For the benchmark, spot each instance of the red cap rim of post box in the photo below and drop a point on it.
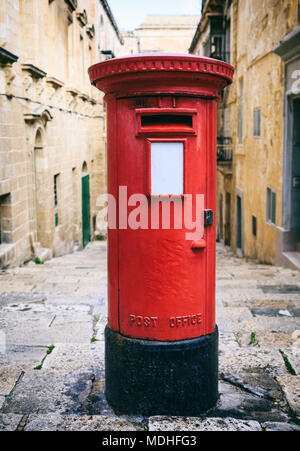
(207, 76)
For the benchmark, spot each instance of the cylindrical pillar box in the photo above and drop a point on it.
(161, 338)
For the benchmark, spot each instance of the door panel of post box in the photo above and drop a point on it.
(163, 292)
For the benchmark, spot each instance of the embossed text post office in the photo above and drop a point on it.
(161, 340)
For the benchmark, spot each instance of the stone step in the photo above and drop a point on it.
(293, 258)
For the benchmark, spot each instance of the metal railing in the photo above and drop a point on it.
(224, 148)
(223, 56)
(107, 54)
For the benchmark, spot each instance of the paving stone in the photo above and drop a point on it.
(229, 319)
(296, 339)
(103, 423)
(245, 359)
(71, 318)
(227, 340)
(9, 375)
(257, 383)
(47, 391)
(238, 403)
(59, 309)
(80, 332)
(100, 327)
(293, 355)
(280, 427)
(266, 339)
(96, 402)
(199, 424)
(2, 400)
(15, 297)
(70, 300)
(100, 310)
(282, 324)
(242, 297)
(35, 319)
(76, 357)
(16, 308)
(56, 422)
(291, 387)
(282, 289)
(263, 304)
(31, 335)
(45, 423)
(271, 312)
(9, 422)
(25, 357)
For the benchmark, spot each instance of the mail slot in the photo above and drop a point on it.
(177, 121)
(161, 341)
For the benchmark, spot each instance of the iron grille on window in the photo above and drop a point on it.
(271, 206)
(257, 123)
(224, 148)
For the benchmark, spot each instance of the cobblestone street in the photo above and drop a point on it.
(52, 367)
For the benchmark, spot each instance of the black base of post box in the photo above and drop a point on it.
(161, 378)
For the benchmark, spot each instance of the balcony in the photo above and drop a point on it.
(224, 149)
(107, 54)
(6, 57)
(72, 4)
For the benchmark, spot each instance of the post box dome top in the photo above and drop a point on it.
(161, 73)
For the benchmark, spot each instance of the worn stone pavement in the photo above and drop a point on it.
(52, 319)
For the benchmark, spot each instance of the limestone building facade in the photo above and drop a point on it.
(161, 34)
(52, 140)
(258, 178)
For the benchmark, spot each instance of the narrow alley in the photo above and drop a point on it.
(52, 348)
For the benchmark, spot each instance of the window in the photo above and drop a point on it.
(239, 219)
(217, 38)
(56, 187)
(5, 219)
(227, 41)
(216, 47)
(55, 190)
(240, 119)
(271, 206)
(254, 226)
(167, 168)
(256, 123)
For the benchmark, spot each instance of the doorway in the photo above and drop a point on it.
(295, 185)
(239, 212)
(227, 240)
(86, 216)
(221, 225)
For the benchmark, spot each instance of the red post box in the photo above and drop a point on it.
(161, 337)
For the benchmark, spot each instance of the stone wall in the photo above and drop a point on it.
(256, 26)
(52, 124)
